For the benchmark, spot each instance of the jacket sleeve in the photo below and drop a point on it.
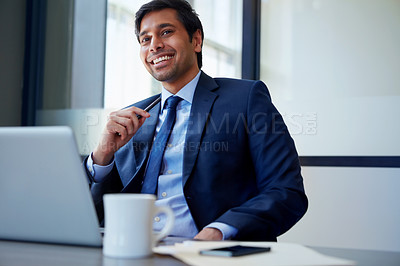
(111, 184)
(280, 201)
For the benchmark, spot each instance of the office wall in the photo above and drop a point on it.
(332, 68)
(12, 38)
(350, 208)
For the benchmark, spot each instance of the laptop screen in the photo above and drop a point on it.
(44, 193)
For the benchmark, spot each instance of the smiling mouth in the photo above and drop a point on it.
(162, 59)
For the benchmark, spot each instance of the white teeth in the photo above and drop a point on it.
(162, 58)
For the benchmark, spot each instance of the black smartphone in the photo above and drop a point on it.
(234, 251)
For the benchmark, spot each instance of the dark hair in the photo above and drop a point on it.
(186, 15)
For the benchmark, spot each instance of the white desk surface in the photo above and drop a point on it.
(22, 253)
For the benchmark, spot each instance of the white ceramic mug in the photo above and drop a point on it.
(128, 225)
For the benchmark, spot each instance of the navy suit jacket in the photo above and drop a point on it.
(240, 165)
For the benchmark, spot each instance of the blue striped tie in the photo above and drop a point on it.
(158, 148)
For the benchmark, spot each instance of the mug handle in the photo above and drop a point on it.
(168, 225)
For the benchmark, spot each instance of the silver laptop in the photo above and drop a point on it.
(44, 193)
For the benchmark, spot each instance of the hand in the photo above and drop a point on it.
(121, 127)
(209, 234)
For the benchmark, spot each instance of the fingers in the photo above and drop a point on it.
(120, 128)
(210, 234)
(125, 122)
(122, 125)
(139, 112)
(133, 112)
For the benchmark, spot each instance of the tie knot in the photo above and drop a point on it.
(172, 102)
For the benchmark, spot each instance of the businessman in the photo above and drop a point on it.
(215, 150)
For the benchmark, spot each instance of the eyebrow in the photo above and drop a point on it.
(161, 26)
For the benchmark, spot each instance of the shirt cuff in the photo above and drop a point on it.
(98, 172)
(228, 231)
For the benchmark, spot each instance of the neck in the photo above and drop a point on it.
(173, 86)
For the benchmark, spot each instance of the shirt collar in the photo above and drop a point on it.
(186, 93)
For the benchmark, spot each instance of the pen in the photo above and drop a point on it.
(150, 106)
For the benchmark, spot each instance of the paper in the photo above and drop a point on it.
(281, 254)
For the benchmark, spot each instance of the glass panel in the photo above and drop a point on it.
(332, 69)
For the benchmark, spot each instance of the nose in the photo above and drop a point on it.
(156, 44)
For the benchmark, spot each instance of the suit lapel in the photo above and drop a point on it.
(139, 149)
(145, 135)
(203, 101)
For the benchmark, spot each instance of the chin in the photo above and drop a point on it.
(167, 76)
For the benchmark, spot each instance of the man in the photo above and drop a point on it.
(229, 169)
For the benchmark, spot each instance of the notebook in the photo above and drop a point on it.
(44, 192)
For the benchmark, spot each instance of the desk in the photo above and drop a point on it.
(20, 253)
(363, 257)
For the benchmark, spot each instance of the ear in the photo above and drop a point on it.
(197, 41)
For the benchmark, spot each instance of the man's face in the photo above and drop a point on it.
(166, 50)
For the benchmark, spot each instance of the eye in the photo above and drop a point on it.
(144, 40)
(166, 32)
